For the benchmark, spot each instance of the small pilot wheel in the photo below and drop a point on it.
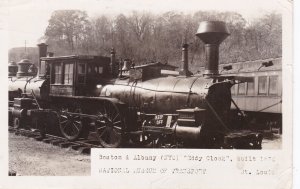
(142, 139)
(17, 123)
(71, 126)
(109, 125)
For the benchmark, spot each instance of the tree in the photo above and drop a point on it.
(122, 36)
(68, 28)
(145, 37)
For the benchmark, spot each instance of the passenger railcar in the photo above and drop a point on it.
(261, 97)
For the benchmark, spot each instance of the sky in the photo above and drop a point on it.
(26, 20)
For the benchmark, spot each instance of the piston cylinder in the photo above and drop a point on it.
(187, 133)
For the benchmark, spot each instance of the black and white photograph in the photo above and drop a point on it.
(147, 94)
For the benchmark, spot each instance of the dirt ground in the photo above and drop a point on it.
(30, 157)
(272, 142)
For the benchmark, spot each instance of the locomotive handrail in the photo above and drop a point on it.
(190, 91)
(239, 110)
(154, 90)
(132, 92)
(84, 115)
(35, 100)
(27, 81)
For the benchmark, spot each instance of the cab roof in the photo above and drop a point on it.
(75, 57)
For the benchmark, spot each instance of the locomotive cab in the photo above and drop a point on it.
(77, 75)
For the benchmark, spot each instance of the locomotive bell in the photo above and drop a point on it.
(212, 33)
(127, 65)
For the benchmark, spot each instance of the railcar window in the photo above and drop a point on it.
(233, 90)
(242, 88)
(262, 85)
(250, 88)
(68, 74)
(273, 86)
(57, 73)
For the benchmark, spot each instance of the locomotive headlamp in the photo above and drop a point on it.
(266, 64)
(229, 67)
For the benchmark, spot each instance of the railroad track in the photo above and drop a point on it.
(82, 145)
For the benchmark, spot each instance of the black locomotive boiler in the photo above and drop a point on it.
(141, 104)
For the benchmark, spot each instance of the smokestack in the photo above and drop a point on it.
(113, 62)
(185, 71)
(42, 53)
(42, 50)
(212, 33)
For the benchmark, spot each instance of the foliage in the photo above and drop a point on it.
(68, 30)
(145, 37)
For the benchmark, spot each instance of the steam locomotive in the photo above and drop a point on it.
(140, 104)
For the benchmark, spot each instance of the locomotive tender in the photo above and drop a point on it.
(91, 94)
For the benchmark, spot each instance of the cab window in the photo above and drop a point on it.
(57, 74)
(81, 72)
(99, 69)
(95, 69)
(68, 75)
